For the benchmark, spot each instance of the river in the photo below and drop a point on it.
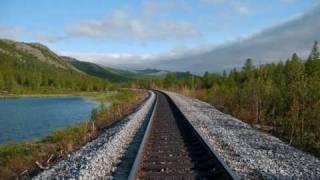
(31, 118)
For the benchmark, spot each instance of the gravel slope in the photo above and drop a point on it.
(250, 153)
(99, 158)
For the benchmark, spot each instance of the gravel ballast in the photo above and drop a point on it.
(248, 152)
(99, 158)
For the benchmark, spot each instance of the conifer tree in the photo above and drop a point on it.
(313, 62)
(248, 66)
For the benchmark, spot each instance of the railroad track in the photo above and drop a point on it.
(172, 149)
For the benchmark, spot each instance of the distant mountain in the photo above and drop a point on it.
(118, 75)
(151, 72)
(112, 74)
(32, 67)
(92, 69)
(160, 73)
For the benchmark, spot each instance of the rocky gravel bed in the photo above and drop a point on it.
(99, 158)
(248, 152)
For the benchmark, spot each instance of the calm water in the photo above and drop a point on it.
(30, 118)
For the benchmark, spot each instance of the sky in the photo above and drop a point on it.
(146, 33)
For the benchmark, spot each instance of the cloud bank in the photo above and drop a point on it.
(273, 44)
(120, 25)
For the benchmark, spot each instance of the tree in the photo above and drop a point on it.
(313, 62)
(295, 72)
(1, 82)
(294, 69)
(10, 83)
(247, 70)
(315, 54)
(248, 65)
(207, 83)
(169, 80)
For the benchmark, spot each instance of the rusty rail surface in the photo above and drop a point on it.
(172, 149)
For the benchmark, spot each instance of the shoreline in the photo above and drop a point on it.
(93, 96)
(35, 156)
(3, 96)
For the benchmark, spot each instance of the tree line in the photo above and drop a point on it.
(283, 96)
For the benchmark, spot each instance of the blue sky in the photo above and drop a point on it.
(143, 28)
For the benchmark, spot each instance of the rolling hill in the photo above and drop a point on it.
(118, 75)
(32, 67)
(92, 69)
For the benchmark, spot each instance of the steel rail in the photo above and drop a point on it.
(210, 151)
(205, 141)
(134, 170)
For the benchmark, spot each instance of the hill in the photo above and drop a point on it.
(32, 67)
(112, 74)
(151, 72)
(118, 75)
(160, 74)
(92, 69)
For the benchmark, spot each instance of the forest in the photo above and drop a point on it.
(24, 73)
(281, 98)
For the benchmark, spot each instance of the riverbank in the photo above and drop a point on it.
(100, 158)
(28, 158)
(93, 95)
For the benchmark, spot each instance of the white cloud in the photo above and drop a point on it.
(9, 32)
(289, 1)
(237, 6)
(137, 61)
(48, 38)
(122, 60)
(15, 33)
(244, 10)
(213, 1)
(120, 25)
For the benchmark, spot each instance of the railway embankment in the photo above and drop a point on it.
(250, 153)
(99, 158)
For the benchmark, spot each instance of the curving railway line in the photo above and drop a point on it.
(172, 149)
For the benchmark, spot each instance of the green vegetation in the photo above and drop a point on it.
(281, 97)
(98, 71)
(22, 159)
(22, 72)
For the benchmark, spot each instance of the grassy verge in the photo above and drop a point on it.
(25, 159)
